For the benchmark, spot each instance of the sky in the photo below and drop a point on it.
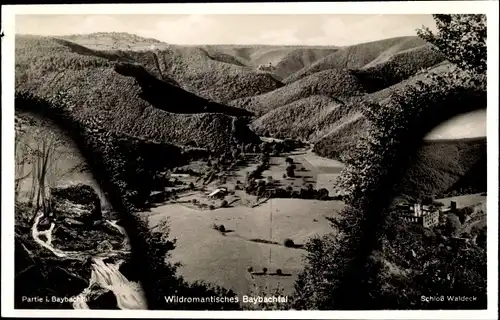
(272, 29)
(468, 125)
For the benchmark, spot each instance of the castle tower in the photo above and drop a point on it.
(417, 210)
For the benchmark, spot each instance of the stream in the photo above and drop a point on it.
(104, 276)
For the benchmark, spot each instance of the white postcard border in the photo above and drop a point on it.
(416, 7)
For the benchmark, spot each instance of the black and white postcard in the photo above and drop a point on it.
(229, 160)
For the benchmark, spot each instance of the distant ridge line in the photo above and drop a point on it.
(331, 46)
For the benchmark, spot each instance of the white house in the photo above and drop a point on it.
(219, 192)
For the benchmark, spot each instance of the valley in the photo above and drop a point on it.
(255, 228)
(237, 149)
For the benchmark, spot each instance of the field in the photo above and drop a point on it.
(206, 254)
(465, 200)
(329, 170)
(255, 234)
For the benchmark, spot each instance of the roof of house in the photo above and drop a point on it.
(216, 191)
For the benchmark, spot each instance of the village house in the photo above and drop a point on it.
(218, 193)
(158, 196)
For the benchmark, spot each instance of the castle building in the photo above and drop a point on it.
(429, 217)
(420, 214)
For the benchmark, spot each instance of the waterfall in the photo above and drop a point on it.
(104, 276)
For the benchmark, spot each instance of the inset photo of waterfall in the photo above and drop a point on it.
(71, 251)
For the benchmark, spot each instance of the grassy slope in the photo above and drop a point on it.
(114, 41)
(213, 74)
(335, 128)
(298, 59)
(331, 83)
(300, 119)
(357, 56)
(384, 72)
(443, 165)
(255, 55)
(45, 66)
(252, 55)
(242, 55)
(339, 137)
(390, 71)
(216, 80)
(280, 61)
(208, 255)
(342, 138)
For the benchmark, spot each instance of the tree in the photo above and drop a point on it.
(288, 243)
(481, 238)
(22, 157)
(235, 153)
(261, 190)
(452, 225)
(323, 194)
(39, 144)
(455, 272)
(43, 153)
(265, 147)
(224, 204)
(277, 149)
(290, 170)
(427, 200)
(461, 38)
